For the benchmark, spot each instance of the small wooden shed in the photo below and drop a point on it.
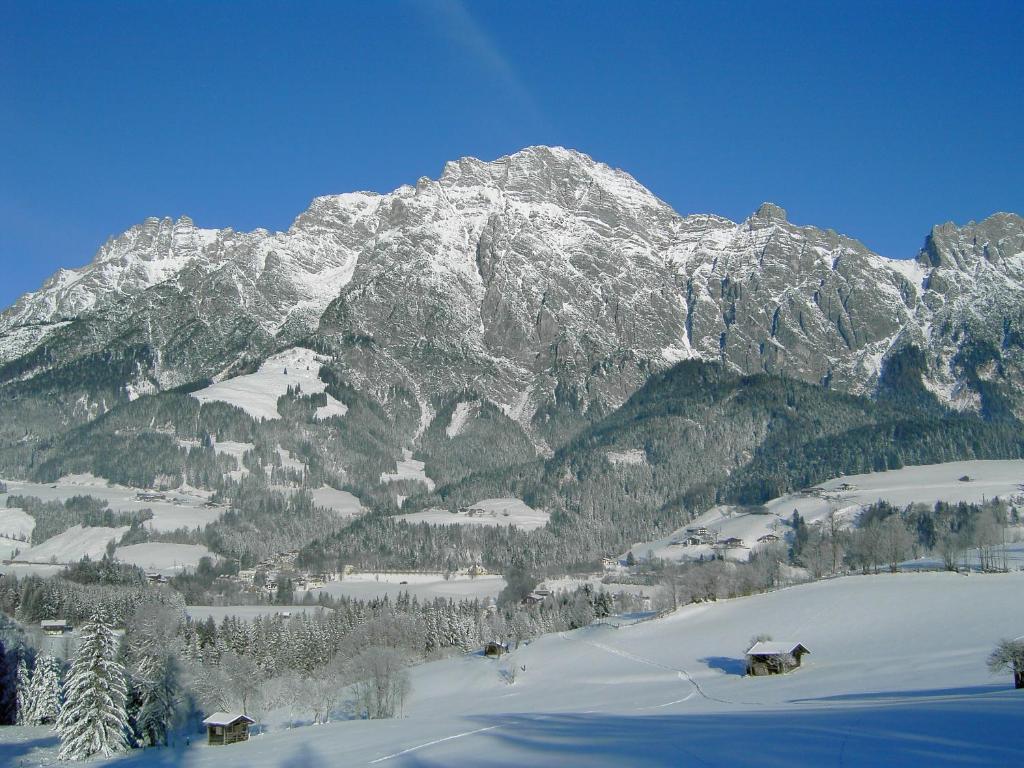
(774, 658)
(54, 626)
(494, 649)
(227, 727)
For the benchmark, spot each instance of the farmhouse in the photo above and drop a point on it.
(227, 727)
(54, 626)
(702, 534)
(731, 543)
(774, 658)
(768, 538)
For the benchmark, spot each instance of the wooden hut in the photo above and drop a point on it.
(54, 626)
(494, 649)
(227, 727)
(774, 658)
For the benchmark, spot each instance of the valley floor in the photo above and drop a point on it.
(896, 676)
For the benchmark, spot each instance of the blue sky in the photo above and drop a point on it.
(875, 119)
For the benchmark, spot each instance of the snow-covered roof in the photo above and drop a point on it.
(53, 623)
(227, 718)
(770, 648)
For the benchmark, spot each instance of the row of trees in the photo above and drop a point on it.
(885, 536)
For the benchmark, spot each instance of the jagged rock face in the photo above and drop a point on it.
(972, 311)
(539, 271)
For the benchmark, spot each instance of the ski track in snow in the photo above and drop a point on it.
(432, 743)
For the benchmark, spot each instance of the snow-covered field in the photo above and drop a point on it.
(165, 558)
(847, 495)
(896, 676)
(425, 586)
(634, 457)
(408, 469)
(9, 546)
(15, 523)
(933, 482)
(257, 393)
(74, 544)
(182, 508)
(487, 512)
(342, 502)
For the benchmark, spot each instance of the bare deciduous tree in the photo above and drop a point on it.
(1008, 656)
(381, 682)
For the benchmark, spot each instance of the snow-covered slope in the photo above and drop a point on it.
(845, 496)
(74, 544)
(257, 393)
(894, 678)
(485, 512)
(164, 557)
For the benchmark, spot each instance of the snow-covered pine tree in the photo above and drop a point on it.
(8, 684)
(158, 688)
(24, 695)
(44, 692)
(94, 719)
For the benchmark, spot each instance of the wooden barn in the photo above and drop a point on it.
(495, 650)
(774, 658)
(227, 727)
(54, 626)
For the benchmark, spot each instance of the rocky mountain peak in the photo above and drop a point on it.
(540, 275)
(769, 212)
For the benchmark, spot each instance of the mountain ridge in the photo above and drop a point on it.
(550, 283)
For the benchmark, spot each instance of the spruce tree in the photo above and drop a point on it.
(24, 696)
(158, 690)
(94, 719)
(44, 692)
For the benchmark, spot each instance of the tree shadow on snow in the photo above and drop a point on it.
(924, 693)
(960, 732)
(12, 750)
(726, 664)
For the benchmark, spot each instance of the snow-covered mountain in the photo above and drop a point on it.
(537, 280)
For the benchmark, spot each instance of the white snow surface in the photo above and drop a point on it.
(486, 512)
(16, 523)
(162, 557)
(9, 546)
(342, 502)
(408, 469)
(460, 416)
(425, 586)
(894, 677)
(74, 544)
(846, 495)
(257, 393)
(182, 508)
(634, 456)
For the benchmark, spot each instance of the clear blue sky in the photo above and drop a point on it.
(875, 119)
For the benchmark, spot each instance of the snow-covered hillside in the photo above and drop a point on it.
(257, 393)
(163, 557)
(896, 676)
(485, 512)
(845, 496)
(183, 508)
(74, 544)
